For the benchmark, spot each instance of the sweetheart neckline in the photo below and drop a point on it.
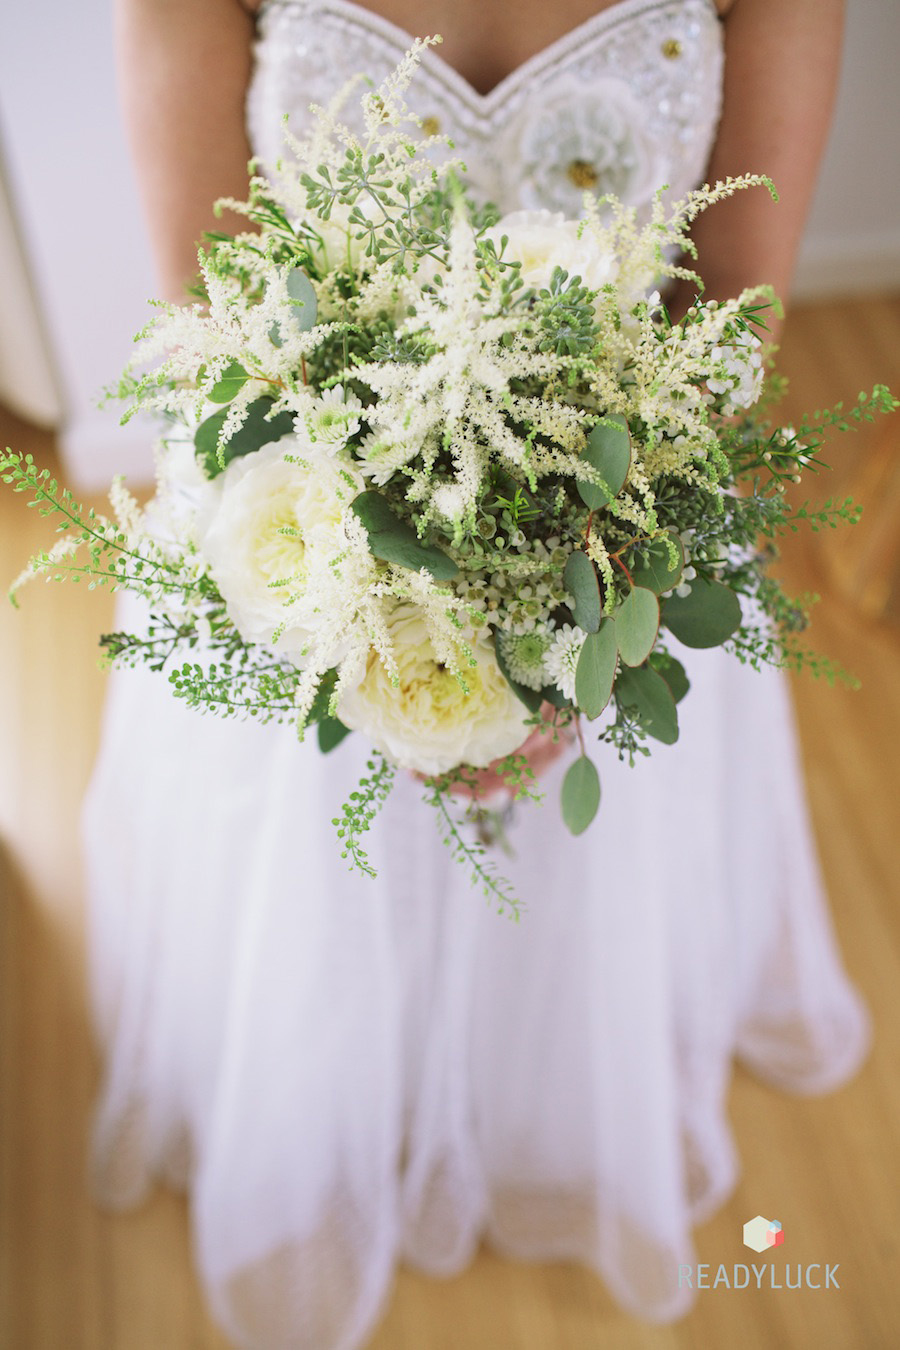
(622, 11)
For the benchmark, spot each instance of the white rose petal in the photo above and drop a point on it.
(273, 526)
(427, 722)
(543, 240)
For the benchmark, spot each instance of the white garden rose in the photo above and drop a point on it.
(426, 722)
(543, 240)
(272, 536)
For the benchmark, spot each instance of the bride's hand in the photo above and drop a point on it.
(540, 750)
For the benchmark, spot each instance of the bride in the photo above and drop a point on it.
(346, 1072)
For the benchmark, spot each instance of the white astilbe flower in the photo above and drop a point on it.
(125, 507)
(391, 128)
(450, 501)
(201, 343)
(65, 547)
(738, 372)
(561, 660)
(459, 397)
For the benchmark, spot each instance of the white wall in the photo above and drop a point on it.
(75, 200)
(852, 242)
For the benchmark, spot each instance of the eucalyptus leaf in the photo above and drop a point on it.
(608, 450)
(636, 624)
(330, 733)
(674, 674)
(253, 434)
(654, 571)
(551, 694)
(305, 307)
(532, 698)
(580, 794)
(581, 581)
(706, 617)
(393, 541)
(229, 383)
(647, 692)
(596, 671)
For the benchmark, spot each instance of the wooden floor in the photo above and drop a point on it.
(829, 1169)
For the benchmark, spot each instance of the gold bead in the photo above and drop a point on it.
(583, 174)
(431, 126)
(671, 49)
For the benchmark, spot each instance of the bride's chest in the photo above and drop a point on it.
(624, 102)
(486, 42)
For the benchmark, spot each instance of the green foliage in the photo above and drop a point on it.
(582, 583)
(242, 687)
(305, 306)
(646, 692)
(566, 315)
(396, 227)
(580, 794)
(672, 671)
(111, 557)
(392, 540)
(705, 617)
(627, 735)
(331, 732)
(361, 808)
(258, 429)
(636, 622)
(826, 517)
(608, 451)
(229, 383)
(470, 852)
(518, 776)
(659, 566)
(520, 507)
(596, 670)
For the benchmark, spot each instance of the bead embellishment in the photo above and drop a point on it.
(671, 49)
(583, 174)
(431, 125)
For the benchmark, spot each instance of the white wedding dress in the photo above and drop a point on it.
(348, 1072)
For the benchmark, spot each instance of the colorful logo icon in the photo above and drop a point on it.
(760, 1234)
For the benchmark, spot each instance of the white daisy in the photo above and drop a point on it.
(334, 417)
(562, 659)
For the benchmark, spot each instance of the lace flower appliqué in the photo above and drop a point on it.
(590, 138)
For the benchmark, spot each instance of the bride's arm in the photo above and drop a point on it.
(782, 59)
(183, 68)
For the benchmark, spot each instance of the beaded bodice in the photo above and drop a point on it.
(625, 103)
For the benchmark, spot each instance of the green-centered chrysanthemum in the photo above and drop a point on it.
(524, 655)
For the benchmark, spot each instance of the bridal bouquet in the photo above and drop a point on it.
(446, 479)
